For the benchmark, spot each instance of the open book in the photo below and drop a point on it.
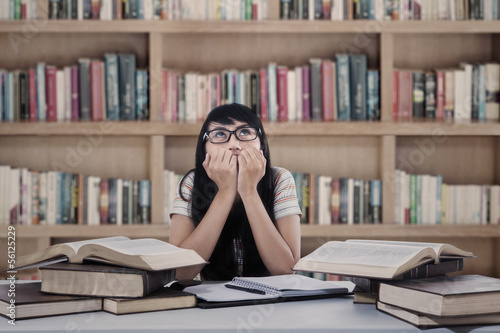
(375, 259)
(148, 254)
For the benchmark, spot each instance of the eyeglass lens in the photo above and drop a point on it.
(242, 134)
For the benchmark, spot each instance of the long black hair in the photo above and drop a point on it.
(222, 261)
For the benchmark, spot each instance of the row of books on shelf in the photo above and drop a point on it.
(52, 197)
(113, 89)
(425, 199)
(468, 92)
(325, 200)
(134, 9)
(322, 90)
(387, 10)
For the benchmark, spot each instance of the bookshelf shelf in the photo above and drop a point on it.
(331, 232)
(250, 27)
(365, 150)
(142, 128)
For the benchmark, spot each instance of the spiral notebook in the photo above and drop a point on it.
(256, 290)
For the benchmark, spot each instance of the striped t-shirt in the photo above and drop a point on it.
(285, 195)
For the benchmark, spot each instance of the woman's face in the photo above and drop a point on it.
(235, 145)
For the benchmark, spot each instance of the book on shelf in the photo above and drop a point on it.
(162, 299)
(148, 253)
(427, 321)
(445, 295)
(375, 258)
(253, 290)
(30, 302)
(428, 270)
(102, 280)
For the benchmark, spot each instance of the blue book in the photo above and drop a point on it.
(134, 9)
(373, 99)
(65, 197)
(142, 111)
(111, 87)
(2, 74)
(376, 200)
(230, 87)
(239, 88)
(358, 64)
(144, 201)
(482, 93)
(140, 9)
(272, 93)
(343, 87)
(126, 75)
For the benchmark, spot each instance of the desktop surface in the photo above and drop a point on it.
(322, 315)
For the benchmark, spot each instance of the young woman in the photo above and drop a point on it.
(233, 208)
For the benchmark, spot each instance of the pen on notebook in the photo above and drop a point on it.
(250, 290)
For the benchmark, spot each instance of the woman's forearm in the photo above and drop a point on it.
(278, 254)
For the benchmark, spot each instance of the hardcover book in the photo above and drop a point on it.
(459, 295)
(31, 303)
(162, 299)
(102, 280)
(375, 259)
(426, 321)
(148, 253)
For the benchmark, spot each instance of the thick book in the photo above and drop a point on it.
(427, 321)
(146, 253)
(268, 288)
(374, 258)
(459, 295)
(31, 303)
(102, 280)
(421, 272)
(163, 299)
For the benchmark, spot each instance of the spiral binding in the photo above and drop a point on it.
(255, 285)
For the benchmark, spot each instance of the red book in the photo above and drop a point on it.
(327, 9)
(24, 11)
(95, 9)
(440, 89)
(327, 89)
(32, 94)
(104, 206)
(174, 83)
(255, 11)
(395, 95)
(164, 94)
(335, 204)
(263, 95)
(282, 78)
(96, 92)
(51, 92)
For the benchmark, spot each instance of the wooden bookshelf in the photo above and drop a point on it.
(464, 153)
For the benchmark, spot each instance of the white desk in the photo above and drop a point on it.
(326, 315)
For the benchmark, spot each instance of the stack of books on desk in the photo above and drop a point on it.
(407, 280)
(443, 301)
(114, 274)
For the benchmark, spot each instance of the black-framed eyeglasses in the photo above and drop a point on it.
(223, 135)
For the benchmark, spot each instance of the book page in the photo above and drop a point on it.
(289, 282)
(77, 245)
(137, 247)
(366, 254)
(439, 248)
(218, 292)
